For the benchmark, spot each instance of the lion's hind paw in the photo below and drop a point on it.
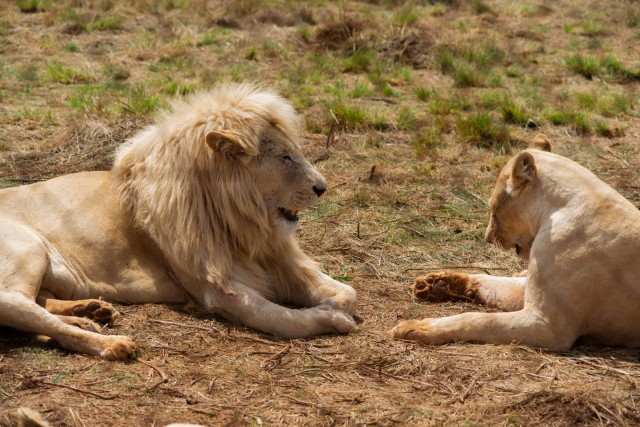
(96, 310)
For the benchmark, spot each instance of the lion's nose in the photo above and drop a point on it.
(319, 189)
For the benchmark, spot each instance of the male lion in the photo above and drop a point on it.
(582, 241)
(201, 206)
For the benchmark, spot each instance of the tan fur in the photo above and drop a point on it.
(194, 208)
(582, 242)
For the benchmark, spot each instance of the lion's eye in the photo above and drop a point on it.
(286, 158)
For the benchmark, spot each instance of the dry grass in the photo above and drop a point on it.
(407, 196)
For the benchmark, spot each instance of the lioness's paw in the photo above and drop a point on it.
(119, 347)
(443, 286)
(96, 310)
(417, 330)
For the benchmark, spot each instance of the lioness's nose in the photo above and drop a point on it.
(319, 189)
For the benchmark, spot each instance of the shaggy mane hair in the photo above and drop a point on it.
(200, 207)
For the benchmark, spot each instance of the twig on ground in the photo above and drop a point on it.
(76, 417)
(186, 325)
(396, 377)
(163, 377)
(451, 267)
(90, 393)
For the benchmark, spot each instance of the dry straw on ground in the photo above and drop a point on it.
(407, 195)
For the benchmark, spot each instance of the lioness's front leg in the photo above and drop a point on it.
(505, 293)
(524, 327)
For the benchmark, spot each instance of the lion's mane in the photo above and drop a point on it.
(202, 209)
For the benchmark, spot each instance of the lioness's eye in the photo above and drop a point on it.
(286, 158)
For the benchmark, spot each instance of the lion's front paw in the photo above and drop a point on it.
(346, 304)
(96, 310)
(417, 330)
(443, 286)
(82, 323)
(336, 321)
(119, 347)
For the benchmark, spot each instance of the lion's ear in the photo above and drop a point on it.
(524, 169)
(225, 143)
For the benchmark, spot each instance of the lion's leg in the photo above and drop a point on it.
(96, 310)
(327, 291)
(80, 322)
(24, 263)
(24, 314)
(249, 308)
(505, 293)
(524, 327)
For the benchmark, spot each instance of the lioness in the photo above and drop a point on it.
(582, 242)
(202, 206)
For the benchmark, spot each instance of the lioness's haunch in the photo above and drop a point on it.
(582, 242)
(202, 206)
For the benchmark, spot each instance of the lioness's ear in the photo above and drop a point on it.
(226, 143)
(524, 169)
(541, 142)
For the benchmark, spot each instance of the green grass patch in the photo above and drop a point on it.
(32, 6)
(28, 72)
(592, 29)
(557, 117)
(424, 94)
(485, 55)
(206, 40)
(4, 183)
(350, 116)
(139, 101)
(360, 89)
(586, 66)
(429, 141)
(479, 7)
(358, 62)
(66, 75)
(606, 67)
(408, 15)
(71, 47)
(515, 112)
(466, 75)
(470, 66)
(252, 54)
(482, 130)
(406, 118)
(605, 104)
(608, 130)
(379, 122)
(107, 23)
(444, 60)
(442, 106)
(581, 124)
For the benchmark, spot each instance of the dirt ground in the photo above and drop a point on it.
(393, 95)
